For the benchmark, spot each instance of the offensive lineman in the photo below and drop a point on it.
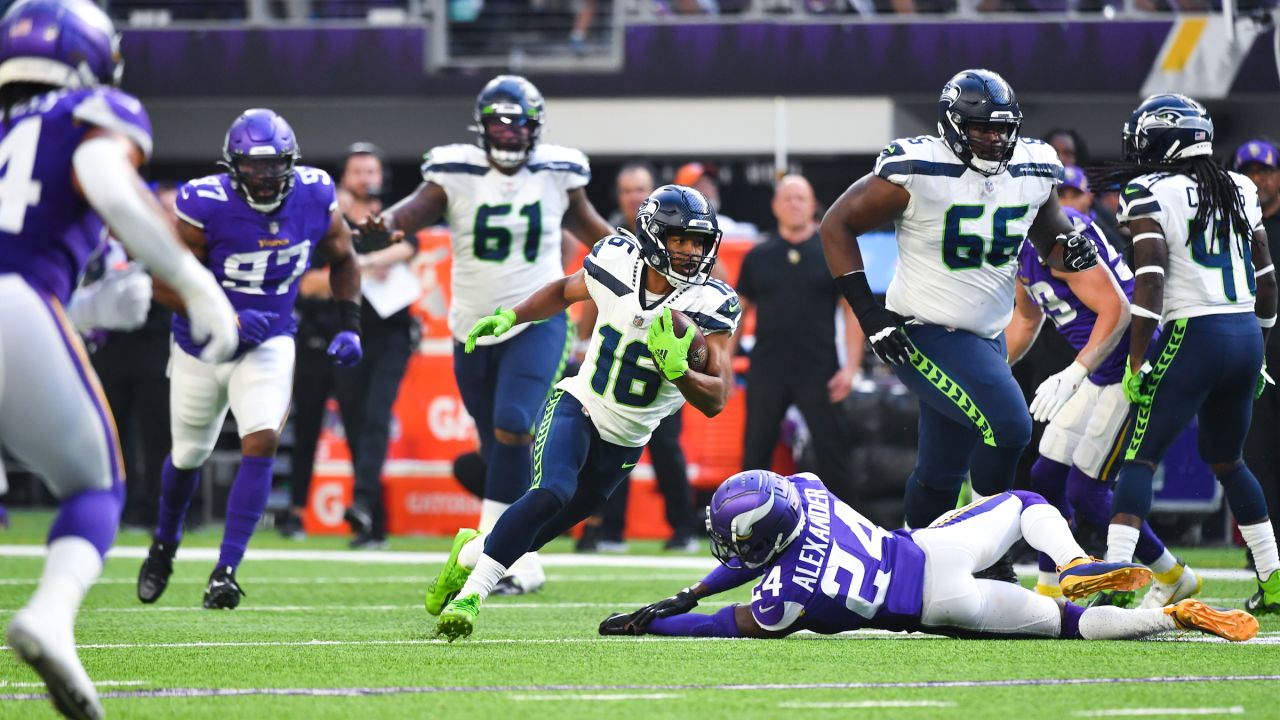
(636, 373)
(505, 200)
(962, 203)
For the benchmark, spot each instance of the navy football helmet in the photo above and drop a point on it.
(678, 210)
(979, 96)
(259, 153)
(753, 516)
(508, 119)
(63, 43)
(1167, 128)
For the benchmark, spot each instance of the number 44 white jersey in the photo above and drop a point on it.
(1204, 276)
(619, 385)
(505, 228)
(959, 237)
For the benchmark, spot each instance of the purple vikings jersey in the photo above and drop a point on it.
(1073, 320)
(842, 573)
(47, 231)
(256, 257)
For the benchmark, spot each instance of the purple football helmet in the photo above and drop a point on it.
(64, 43)
(259, 153)
(753, 516)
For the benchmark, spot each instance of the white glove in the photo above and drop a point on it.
(119, 301)
(1054, 393)
(213, 320)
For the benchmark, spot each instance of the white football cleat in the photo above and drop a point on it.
(1162, 595)
(51, 652)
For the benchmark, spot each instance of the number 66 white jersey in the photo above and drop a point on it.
(1204, 277)
(257, 257)
(619, 385)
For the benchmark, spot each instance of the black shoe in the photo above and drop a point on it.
(1002, 570)
(368, 542)
(153, 577)
(589, 541)
(359, 519)
(510, 586)
(222, 592)
(683, 543)
(290, 526)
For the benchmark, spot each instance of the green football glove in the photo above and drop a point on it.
(1264, 379)
(496, 324)
(1136, 389)
(670, 351)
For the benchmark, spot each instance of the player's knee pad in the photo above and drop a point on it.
(513, 420)
(187, 455)
(939, 480)
(1013, 430)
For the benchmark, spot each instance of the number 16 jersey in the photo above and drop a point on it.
(619, 385)
(505, 228)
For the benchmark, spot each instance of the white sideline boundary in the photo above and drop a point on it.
(551, 560)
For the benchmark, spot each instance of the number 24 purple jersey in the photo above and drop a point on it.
(843, 572)
(48, 232)
(257, 258)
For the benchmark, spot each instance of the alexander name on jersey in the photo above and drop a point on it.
(959, 236)
(505, 228)
(619, 384)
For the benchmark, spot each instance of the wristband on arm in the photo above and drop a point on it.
(349, 316)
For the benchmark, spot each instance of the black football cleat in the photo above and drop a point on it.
(222, 592)
(359, 519)
(1001, 570)
(153, 577)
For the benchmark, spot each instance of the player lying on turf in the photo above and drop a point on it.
(828, 569)
(639, 370)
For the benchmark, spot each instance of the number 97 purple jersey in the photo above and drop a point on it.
(257, 257)
(843, 572)
(1072, 318)
(48, 232)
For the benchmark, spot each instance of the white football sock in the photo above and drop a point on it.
(490, 511)
(70, 568)
(470, 553)
(1113, 623)
(1044, 529)
(1164, 564)
(484, 576)
(1261, 540)
(1121, 541)
(528, 570)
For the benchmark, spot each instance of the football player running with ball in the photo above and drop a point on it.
(636, 373)
(256, 226)
(825, 568)
(1204, 274)
(962, 202)
(505, 199)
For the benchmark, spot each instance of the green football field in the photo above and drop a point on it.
(327, 633)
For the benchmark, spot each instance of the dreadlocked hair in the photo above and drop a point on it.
(1218, 197)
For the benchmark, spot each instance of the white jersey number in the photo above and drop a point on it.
(18, 160)
(247, 272)
(840, 561)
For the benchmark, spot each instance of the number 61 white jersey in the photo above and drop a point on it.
(256, 257)
(619, 385)
(1204, 276)
(505, 228)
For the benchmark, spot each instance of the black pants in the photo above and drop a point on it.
(366, 394)
(313, 382)
(131, 368)
(672, 473)
(769, 392)
(1262, 445)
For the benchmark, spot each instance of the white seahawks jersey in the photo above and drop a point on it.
(505, 228)
(959, 237)
(1203, 277)
(619, 385)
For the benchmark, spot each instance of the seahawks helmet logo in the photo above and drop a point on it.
(950, 93)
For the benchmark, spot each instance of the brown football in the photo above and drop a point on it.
(697, 348)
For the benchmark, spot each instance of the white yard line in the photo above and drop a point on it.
(854, 704)
(597, 697)
(1160, 712)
